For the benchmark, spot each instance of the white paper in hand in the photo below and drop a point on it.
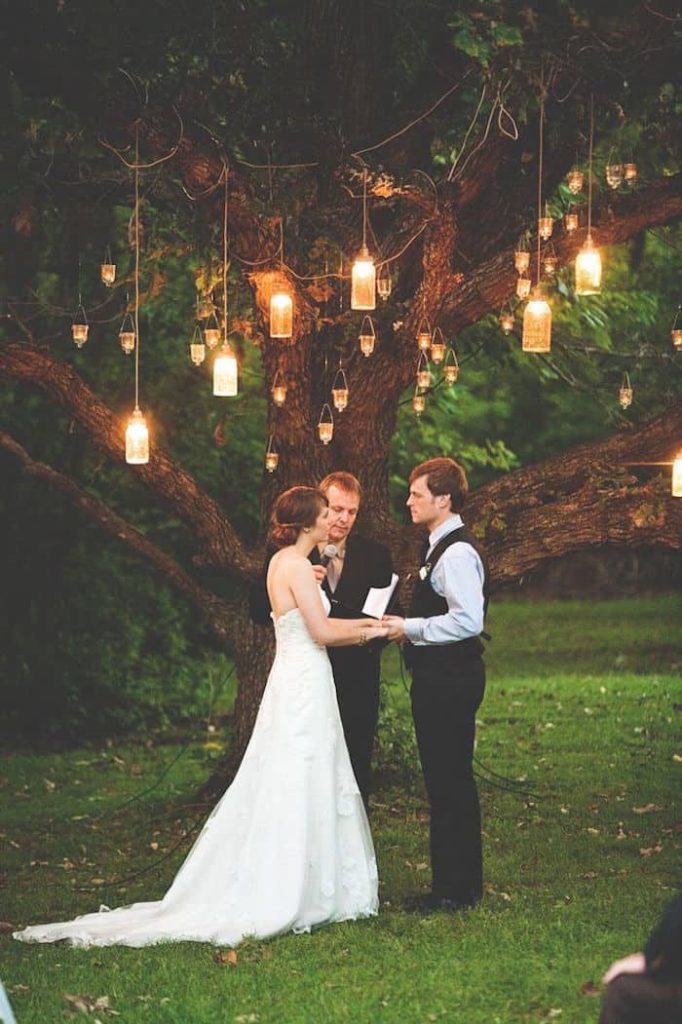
(378, 598)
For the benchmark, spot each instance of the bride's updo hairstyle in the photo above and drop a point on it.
(295, 509)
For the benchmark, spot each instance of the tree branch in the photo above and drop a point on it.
(489, 285)
(218, 541)
(217, 613)
(587, 496)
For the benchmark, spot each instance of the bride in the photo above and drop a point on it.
(288, 846)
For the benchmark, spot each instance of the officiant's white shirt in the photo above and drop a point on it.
(458, 577)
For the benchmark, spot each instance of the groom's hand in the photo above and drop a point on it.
(396, 627)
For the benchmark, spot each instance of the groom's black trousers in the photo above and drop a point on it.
(446, 693)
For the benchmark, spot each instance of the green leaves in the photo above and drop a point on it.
(481, 34)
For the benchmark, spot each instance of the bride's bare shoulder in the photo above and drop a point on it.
(288, 558)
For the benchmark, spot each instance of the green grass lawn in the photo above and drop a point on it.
(583, 703)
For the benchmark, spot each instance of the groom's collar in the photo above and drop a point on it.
(453, 522)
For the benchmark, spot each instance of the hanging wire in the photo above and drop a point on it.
(154, 163)
(540, 163)
(364, 208)
(589, 169)
(225, 235)
(468, 133)
(416, 120)
(137, 265)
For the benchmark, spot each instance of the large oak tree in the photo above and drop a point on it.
(440, 111)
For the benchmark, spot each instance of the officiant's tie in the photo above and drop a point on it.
(334, 570)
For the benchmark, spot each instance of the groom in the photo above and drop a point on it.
(359, 564)
(443, 651)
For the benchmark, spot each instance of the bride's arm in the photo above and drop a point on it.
(330, 632)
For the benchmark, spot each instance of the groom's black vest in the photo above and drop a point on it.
(426, 603)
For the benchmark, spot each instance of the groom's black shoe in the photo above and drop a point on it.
(431, 903)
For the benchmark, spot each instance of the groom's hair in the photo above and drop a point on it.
(444, 476)
(343, 480)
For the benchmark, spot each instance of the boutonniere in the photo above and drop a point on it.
(425, 571)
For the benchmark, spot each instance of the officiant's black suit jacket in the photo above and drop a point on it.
(356, 669)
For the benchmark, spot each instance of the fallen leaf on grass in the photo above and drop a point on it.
(6, 926)
(15, 989)
(649, 851)
(86, 1004)
(648, 809)
(227, 957)
(588, 988)
(247, 1018)
(49, 785)
(678, 758)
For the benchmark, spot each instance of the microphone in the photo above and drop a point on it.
(331, 551)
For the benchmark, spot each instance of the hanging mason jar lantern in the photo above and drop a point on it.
(521, 260)
(281, 315)
(614, 175)
(107, 269)
(676, 331)
(571, 221)
(367, 336)
(271, 456)
(363, 281)
(340, 390)
(325, 425)
(506, 319)
(424, 335)
(279, 389)
(126, 333)
(523, 287)
(588, 269)
(423, 372)
(205, 307)
(80, 327)
(384, 282)
(549, 264)
(626, 392)
(212, 331)
(575, 179)
(630, 172)
(418, 402)
(197, 349)
(677, 475)
(437, 346)
(137, 439)
(451, 367)
(545, 227)
(537, 324)
(225, 383)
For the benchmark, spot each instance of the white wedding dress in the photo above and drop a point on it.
(287, 847)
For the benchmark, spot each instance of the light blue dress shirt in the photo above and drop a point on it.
(458, 577)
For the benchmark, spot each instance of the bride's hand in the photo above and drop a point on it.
(372, 631)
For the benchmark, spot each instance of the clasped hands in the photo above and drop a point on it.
(390, 627)
(396, 627)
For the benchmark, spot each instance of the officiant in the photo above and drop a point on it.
(358, 565)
